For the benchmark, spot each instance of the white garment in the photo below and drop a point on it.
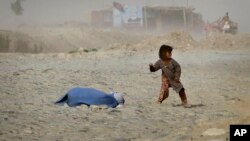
(226, 26)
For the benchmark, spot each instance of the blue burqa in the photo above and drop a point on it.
(88, 96)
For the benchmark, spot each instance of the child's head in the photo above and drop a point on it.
(165, 52)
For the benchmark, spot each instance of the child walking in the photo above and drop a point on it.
(171, 72)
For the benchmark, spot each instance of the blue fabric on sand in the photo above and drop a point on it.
(88, 96)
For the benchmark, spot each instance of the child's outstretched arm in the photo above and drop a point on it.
(154, 67)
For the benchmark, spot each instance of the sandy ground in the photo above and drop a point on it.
(217, 83)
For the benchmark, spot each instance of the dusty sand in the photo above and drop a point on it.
(217, 83)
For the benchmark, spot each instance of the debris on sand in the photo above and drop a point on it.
(214, 132)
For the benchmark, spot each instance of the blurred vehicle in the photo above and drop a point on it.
(222, 25)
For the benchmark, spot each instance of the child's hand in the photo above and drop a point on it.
(151, 67)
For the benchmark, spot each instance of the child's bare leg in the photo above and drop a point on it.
(162, 96)
(183, 97)
(164, 93)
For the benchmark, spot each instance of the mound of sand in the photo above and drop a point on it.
(11, 41)
(67, 39)
(179, 40)
(243, 40)
(61, 39)
(223, 41)
(184, 41)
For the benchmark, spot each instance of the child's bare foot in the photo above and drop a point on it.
(159, 102)
(186, 105)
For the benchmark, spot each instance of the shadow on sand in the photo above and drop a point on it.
(192, 105)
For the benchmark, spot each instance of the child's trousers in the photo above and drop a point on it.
(164, 92)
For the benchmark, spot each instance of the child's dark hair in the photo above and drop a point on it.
(163, 49)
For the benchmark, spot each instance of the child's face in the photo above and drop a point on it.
(168, 55)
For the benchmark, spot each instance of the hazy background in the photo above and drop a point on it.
(61, 11)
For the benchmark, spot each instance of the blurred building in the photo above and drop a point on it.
(102, 18)
(158, 19)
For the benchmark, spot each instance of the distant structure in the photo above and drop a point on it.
(155, 19)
